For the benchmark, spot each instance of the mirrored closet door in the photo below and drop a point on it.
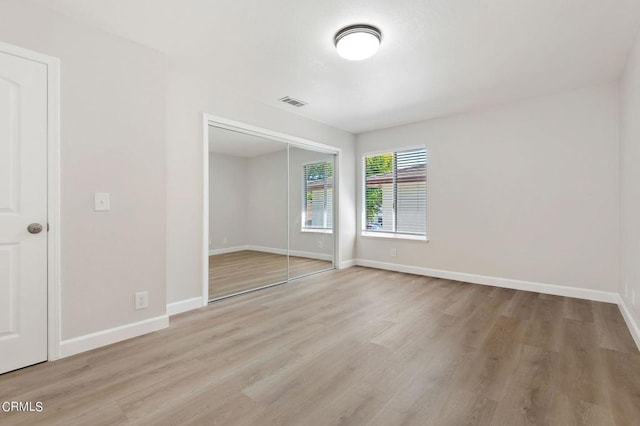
(247, 212)
(310, 211)
(271, 212)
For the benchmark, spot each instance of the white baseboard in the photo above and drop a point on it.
(311, 255)
(227, 250)
(113, 335)
(558, 290)
(346, 264)
(308, 254)
(267, 249)
(631, 322)
(247, 247)
(181, 306)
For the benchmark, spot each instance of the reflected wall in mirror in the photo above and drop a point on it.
(311, 211)
(247, 212)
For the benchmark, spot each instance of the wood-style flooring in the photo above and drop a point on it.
(354, 347)
(231, 273)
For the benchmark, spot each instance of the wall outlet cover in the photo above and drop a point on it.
(142, 300)
(101, 202)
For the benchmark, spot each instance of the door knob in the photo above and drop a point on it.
(34, 228)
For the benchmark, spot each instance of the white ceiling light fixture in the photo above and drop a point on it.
(357, 42)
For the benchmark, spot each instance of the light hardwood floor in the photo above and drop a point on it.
(231, 273)
(354, 347)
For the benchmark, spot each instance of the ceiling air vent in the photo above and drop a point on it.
(289, 100)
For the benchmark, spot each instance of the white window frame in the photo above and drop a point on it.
(303, 210)
(363, 209)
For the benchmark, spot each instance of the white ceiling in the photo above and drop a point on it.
(228, 142)
(437, 56)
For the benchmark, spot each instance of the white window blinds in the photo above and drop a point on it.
(395, 192)
(317, 198)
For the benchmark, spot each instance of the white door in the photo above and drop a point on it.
(23, 201)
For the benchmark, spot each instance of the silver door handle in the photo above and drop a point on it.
(34, 228)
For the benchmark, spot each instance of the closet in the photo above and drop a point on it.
(271, 212)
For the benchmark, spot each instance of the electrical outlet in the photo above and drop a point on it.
(101, 202)
(225, 240)
(142, 300)
(320, 244)
(394, 252)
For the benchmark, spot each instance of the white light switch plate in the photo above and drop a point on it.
(101, 202)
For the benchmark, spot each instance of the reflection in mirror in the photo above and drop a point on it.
(311, 212)
(247, 212)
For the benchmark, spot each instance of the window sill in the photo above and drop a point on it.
(317, 231)
(390, 235)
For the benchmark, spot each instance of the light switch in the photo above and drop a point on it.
(101, 202)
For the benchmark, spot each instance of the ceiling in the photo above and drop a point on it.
(228, 142)
(437, 56)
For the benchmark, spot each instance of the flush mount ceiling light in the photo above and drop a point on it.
(357, 42)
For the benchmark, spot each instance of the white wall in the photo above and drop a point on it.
(526, 191)
(630, 182)
(188, 96)
(120, 101)
(267, 201)
(248, 203)
(112, 140)
(228, 189)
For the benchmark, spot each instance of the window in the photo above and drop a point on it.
(395, 192)
(317, 198)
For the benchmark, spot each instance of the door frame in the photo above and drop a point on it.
(53, 192)
(225, 123)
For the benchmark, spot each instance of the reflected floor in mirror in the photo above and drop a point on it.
(231, 273)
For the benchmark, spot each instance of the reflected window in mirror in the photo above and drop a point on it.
(317, 197)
